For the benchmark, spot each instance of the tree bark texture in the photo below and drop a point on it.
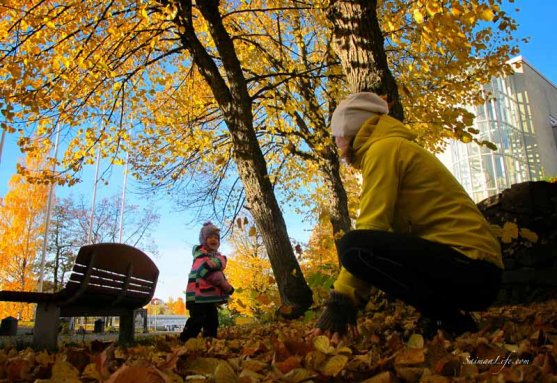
(339, 215)
(233, 98)
(359, 43)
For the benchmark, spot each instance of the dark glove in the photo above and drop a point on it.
(339, 312)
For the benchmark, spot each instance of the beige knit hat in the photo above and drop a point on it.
(207, 229)
(353, 111)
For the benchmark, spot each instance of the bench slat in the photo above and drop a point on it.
(118, 284)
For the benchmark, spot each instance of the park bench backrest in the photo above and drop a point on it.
(114, 274)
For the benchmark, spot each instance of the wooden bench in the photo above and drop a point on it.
(108, 279)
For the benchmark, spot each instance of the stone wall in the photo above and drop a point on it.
(525, 220)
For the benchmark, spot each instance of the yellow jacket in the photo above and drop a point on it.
(406, 189)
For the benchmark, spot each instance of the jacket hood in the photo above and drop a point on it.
(375, 129)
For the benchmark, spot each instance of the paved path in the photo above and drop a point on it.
(24, 337)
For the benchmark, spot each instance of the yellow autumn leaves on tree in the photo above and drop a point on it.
(21, 229)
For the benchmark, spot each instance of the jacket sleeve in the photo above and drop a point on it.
(216, 278)
(381, 178)
(223, 261)
(355, 288)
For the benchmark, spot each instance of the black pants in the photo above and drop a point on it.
(202, 316)
(434, 278)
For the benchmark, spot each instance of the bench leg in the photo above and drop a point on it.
(127, 328)
(45, 334)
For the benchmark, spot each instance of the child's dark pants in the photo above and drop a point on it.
(434, 278)
(202, 316)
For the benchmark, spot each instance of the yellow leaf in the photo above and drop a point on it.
(416, 341)
(529, 235)
(487, 15)
(195, 344)
(91, 372)
(63, 371)
(344, 350)
(243, 320)
(334, 365)
(510, 232)
(418, 16)
(323, 344)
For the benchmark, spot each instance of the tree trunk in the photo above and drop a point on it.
(339, 215)
(359, 43)
(233, 98)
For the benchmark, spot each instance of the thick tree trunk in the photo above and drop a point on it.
(233, 98)
(359, 43)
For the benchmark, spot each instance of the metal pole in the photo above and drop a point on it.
(123, 204)
(2, 143)
(48, 212)
(93, 202)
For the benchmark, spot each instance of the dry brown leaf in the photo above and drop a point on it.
(410, 356)
(448, 366)
(204, 366)
(253, 347)
(383, 377)
(249, 376)
(91, 372)
(254, 365)
(18, 369)
(104, 360)
(224, 373)
(137, 374)
(410, 374)
(170, 362)
(43, 358)
(78, 357)
(281, 353)
(289, 364)
(298, 375)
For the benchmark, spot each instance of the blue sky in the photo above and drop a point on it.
(175, 235)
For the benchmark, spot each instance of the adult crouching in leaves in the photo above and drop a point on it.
(419, 237)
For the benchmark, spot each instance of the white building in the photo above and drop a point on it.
(521, 120)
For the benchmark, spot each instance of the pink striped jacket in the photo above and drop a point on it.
(200, 289)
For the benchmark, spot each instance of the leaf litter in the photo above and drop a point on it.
(514, 344)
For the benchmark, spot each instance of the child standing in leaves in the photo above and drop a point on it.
(207, 285)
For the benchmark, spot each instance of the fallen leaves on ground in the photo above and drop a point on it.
(515, 344)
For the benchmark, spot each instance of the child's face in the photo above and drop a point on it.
(213, 242)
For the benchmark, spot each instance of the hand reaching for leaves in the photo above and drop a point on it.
(337, 319)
